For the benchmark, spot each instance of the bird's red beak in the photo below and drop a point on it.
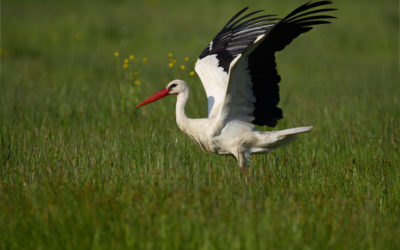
(160, 94)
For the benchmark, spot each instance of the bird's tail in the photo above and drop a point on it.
(285, 136)
(274, 139)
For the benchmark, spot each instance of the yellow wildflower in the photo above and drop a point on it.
(3, 52)
(138, 82)
(170, 54)
(136, 73)
(78, 36)
(170, 65)
(174, 61)
(182, 67)
(191, 73)
(55, 37)
(131, 57)
(116, 54)
(126, 60)
(144, 59)
(125, 65)
(186, 59)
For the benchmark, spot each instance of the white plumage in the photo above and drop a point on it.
(238, 73)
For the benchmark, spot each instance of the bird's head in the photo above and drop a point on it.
(176, 86)
(173, 88)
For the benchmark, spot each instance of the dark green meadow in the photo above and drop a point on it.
(80, 168)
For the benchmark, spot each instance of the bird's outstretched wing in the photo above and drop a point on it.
(213, 63)
(252, 92)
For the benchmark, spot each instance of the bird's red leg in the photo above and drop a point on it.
(246, 177)
(241, 158)
(243, 170)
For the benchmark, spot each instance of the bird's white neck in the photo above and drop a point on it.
(181, 118)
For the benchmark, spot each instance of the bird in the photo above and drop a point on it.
(239, 75)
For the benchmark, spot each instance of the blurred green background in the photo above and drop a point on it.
(81, 168)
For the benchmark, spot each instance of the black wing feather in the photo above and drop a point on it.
(262, 64)
(242, 30)
(235, 16)
(232, 41)
(246, 16)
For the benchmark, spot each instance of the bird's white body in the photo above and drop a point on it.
(236, 137)
(238, 72)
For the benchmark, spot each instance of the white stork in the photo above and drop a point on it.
(238, 72)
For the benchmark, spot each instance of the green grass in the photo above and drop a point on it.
(81, 169)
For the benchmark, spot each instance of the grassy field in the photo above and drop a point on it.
(80, 168)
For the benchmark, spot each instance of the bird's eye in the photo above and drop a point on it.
(172, 86)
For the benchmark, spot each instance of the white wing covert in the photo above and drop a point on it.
(213, 63)
(252, 93)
